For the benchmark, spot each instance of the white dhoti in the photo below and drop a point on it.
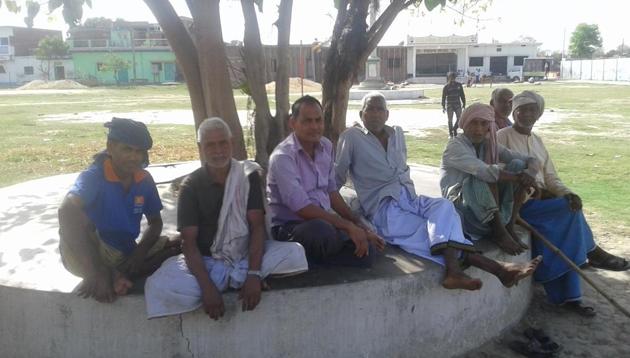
(422, 226)
(173, 289)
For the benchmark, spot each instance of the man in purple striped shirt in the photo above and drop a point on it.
(304, 202)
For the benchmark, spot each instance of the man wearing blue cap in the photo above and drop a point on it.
(99, 219)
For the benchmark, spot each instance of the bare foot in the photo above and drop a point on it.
(460, 280)
(121, 284)
(506, 242)
(512, 273)
(97, 286)
(517, 239)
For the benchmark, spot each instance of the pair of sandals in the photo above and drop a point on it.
(539, 345)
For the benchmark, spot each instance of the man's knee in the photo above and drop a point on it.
(319, 238)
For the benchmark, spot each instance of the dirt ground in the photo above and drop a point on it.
(605, 335)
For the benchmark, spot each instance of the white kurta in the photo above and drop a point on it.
(173, 289)
(417, 225)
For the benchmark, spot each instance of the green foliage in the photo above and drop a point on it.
(97, 22)
(585, 40)
(51, 47)
(11, 5)
(259, 3)
(54, 4)
(432, 4)
(115, 64)
(32, 9)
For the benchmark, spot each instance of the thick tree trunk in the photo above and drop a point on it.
(203, 63)
(346, 49)
(255, 73)
(279, 128)
(213, 65)
(352, 44)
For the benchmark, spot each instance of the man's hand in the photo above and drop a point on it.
(375, 240)
(443, 110)
(575, 202)
(250, 292)
(212, 303)
(526, 180)
(359, 237)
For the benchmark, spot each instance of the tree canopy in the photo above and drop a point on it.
(585, 40)
(50, 48)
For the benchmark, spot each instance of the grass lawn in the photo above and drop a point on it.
(590, 146)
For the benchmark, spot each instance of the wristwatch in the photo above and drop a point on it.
(255, 273)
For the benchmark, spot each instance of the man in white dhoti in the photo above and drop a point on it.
(375, 156)
(221, 217)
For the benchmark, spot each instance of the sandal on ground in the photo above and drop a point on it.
(610, 262)
(529, 349)
(579, 308)
(546, 343)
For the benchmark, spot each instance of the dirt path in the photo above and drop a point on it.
(606, 335)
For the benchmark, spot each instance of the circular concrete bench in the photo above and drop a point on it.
(395, 309)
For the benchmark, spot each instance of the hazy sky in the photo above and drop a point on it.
(505, 20)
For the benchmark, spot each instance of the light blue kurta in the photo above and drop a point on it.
(418, 224)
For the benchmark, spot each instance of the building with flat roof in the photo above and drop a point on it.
(18, 63)
(429, 57)
(141, 44)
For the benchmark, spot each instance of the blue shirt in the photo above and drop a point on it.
(116, 213)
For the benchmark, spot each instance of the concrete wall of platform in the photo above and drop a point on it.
(402, 316)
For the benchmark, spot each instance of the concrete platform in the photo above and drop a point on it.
(396, 94)
(395, 309)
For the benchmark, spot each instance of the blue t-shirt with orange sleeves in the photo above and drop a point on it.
(116, 213)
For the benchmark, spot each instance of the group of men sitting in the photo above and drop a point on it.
(236, 230)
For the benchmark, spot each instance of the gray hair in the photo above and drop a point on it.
(213, 123)
(499, 92)
(370, 95)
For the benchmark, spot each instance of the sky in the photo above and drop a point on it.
(550, 22)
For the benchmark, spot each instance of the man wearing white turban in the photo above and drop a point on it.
(554, 212)
(486, 181)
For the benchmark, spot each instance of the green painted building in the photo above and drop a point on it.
(141, 45)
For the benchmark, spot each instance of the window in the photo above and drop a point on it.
(393, 63)
(2, 70)
(475, 61)
(4, 45)
(518, 60)
(499, 49)
(28, 70)
(156, 67)
(99, 66)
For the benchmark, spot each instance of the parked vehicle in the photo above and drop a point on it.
(537, 68)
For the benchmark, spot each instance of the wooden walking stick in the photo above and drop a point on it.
(536, 235)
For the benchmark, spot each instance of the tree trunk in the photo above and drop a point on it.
(280, 126)
(213, 66)
(352, 44)
(203, 63)
(255, 73)
(342, 63)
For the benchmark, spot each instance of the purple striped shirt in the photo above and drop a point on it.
(294, 180)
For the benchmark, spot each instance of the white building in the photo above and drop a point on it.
(430, 58)
(18, 63)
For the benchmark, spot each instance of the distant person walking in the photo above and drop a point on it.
(453, 101)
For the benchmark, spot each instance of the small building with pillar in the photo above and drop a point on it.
(429, 58)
